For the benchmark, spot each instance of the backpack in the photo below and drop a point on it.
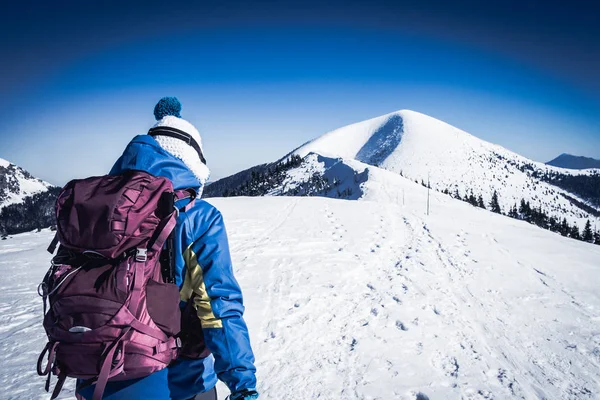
(113, 306)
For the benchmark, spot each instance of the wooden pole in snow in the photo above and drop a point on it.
(428, 185)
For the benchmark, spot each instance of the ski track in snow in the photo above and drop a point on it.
(366, 300)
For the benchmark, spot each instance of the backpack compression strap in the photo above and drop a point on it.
(178, 134)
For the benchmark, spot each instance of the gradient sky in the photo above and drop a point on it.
(260, 78)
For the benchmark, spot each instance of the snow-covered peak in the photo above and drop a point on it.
(422, 148)
(404, 131)
(349, 140)
(16, 184)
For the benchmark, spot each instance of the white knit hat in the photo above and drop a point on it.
(167, 113)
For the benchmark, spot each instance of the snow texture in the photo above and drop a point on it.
(376, 300)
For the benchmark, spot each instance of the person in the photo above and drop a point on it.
(215, 338)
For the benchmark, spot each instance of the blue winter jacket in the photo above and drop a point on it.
(204, 268)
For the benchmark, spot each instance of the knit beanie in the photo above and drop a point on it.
(167, 113)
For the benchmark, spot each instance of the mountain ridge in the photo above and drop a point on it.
(570, 161)
(432, 152)
(16, 184)
(26, 202)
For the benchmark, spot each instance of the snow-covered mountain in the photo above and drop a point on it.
(425, 149)
(16, 184)
(420, 148)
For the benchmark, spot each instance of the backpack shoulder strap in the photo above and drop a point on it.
(165, 235)
(53, 244)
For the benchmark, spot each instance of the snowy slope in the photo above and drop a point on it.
(16, 184)
(421, 147)
(376, 300)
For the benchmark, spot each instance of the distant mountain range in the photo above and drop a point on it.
(574, 162)
(16, 184)
(26, 202)
(371, 160)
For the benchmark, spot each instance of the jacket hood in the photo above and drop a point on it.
(144, 153)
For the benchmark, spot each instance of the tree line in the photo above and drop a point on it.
(35, 212)
(260, 183)
(534, 215)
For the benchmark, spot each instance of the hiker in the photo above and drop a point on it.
(204, 272)
(213, 341)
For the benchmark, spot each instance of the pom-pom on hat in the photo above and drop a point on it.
(179, 137)
(167, 106)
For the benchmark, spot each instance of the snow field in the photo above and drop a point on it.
(375, 300)
(23, 262)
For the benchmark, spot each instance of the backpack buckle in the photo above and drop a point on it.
(141, 255)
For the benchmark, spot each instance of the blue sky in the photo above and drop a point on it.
(82, 82)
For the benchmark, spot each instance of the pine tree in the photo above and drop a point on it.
(471, 199)
(597, 237)
(588, 235)
(574, 232)
(495, 204)
(553, 224)
(514, 212)
(540, 218)
(457, 194)
(525, 211)
(523, 208)
(564, 228)
(480, 202)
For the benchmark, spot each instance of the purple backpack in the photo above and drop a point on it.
(113, 306)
